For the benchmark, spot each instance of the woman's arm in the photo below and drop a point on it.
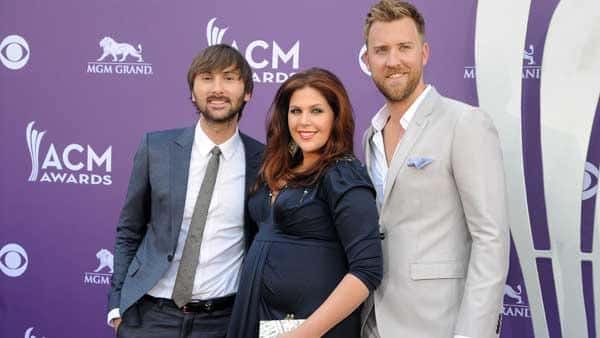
(344, 299)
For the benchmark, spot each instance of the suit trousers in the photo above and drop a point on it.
(149, 319)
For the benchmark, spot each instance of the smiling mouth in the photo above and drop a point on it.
(306, 135)
(396, 75)
(218, 102)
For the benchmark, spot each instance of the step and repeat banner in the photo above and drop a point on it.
(80, 82)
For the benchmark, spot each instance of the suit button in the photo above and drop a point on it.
(170, 257)
(382, 236)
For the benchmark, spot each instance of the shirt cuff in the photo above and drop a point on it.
(458, 336)
(113, 314)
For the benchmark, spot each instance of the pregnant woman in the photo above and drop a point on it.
(317, 253)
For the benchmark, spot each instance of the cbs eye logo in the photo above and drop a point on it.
(590, 181)
(13, 260)
(14, 52)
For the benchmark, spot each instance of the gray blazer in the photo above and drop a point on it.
(445, 223)
(151, 216)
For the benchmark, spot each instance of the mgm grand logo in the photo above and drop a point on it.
(514, 304)
(119, 58)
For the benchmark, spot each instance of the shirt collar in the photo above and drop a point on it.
(379, 120)
(228, 148)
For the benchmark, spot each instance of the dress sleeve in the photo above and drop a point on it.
(351, 198)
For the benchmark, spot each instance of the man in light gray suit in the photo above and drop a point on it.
(437, 167)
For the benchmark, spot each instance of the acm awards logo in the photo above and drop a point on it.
(14, 52)
(271, 62)
(101, 275)
(515, 302)
(531, 69)
(29, 333)
(119, 58)
(13, 260)
(76, 164)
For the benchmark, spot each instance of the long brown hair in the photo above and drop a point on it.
(279, 163)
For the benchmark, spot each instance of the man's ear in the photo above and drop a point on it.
(425, 55)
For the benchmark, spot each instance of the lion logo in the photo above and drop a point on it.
(113, 48)
(106, 260)
(513, 294)
(528, 56)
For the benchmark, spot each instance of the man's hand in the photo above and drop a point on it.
(115, 323)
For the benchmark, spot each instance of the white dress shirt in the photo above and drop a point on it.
(222, 249)
(379, 165)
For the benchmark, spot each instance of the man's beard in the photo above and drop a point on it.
(398, 93)
(227, 117)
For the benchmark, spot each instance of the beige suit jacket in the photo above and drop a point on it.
(446, 234)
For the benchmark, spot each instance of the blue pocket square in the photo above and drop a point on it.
(419, 162)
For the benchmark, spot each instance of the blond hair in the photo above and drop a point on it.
(391, 10)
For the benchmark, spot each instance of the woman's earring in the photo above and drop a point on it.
(293, 148)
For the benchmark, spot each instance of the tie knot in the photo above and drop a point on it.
(215, 151)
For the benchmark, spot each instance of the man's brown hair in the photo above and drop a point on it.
(217, 58)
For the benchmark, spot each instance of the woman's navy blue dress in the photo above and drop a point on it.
(307, 240)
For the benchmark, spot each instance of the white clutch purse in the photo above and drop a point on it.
(273, 328)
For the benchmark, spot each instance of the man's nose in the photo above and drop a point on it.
(393, 58)
(217, 86)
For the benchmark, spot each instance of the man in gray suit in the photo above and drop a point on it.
(437, 167)
(183, 228)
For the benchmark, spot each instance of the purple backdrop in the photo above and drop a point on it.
(90, 114)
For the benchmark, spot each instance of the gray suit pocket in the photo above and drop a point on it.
(438, 270)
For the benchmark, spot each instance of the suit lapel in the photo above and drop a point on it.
(180, 154)
(413, 133)
(366, 143)
(253, 153)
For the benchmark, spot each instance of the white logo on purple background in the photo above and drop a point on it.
(13, 260)
(530, 68)
(76, 164)
(14, 52)
(214, 34)
(277, 68)
(29, 333)
(528, 55)
(363, 65)
(590, 181)
(119, 58)
(515, 305)
(101, 275)
(513, 293)
(105, 260)
(119, 49)
(34, 139)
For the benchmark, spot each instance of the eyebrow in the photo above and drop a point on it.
(312, 106)
(403, 43)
